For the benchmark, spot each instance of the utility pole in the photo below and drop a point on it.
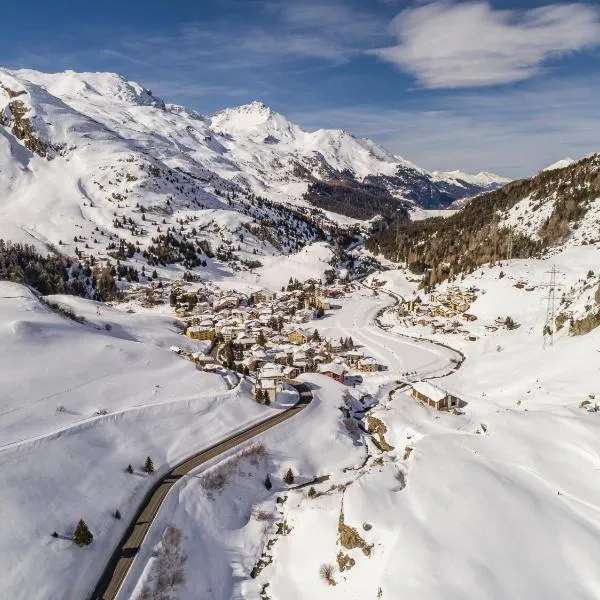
(550, 308)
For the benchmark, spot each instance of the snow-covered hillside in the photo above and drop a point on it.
(78, 150)
(79, 402)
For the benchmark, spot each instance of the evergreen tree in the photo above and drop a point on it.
(129, 469)
(289, 477)
(229, 355)
(107, 286)
(173, 298)
(149, 466)
(258, 395)
(268, 483)
(315, 336)
(117, 514)
(82, 536)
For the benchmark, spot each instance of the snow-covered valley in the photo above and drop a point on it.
(188, 274)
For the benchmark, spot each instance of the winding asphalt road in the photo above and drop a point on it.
(122, 558)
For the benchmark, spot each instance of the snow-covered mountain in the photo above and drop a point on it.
(560, 164)
(75, 148)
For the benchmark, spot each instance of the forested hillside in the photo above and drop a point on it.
(551, 207)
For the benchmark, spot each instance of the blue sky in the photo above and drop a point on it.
(503, 86)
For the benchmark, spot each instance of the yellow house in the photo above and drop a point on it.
(200, 333)
(297, 337)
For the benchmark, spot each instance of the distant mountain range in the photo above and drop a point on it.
(70, 139)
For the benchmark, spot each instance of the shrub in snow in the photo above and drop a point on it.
(268, 483)
(168, 568)
(326, 573)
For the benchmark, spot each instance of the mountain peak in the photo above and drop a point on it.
(254, 119)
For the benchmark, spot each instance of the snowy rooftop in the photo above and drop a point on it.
(429, 390)
(335, 368)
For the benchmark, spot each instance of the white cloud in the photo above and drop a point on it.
(447, 44)
(515, 132)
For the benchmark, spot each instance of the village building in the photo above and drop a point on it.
(411, 305)
(197, 332)
(291, 372)
(368, 365)
(263, 296)
(297, 337)
(245, 342)
(270, 379)
(434, 397)
(333, 370)
(351, 357)
(320, 302)
(202, 360)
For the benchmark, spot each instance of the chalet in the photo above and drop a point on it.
(202, 360)
(322, 303)
(352, 357)
(300, 365)
(244, 342)
(432, 396)
(368, 365)
(297, 337)
(333, 370)
(200, 333)
(412, 304)
(291, 372)
(251, 363)
(263, 296)
(226, 302)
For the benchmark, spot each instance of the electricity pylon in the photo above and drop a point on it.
(549, 325)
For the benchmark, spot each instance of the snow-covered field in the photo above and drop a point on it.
(60, 461)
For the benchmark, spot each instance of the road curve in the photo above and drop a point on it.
(122, 558)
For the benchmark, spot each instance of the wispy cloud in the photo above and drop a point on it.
(461, 44)
(514, 132)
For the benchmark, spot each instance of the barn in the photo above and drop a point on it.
(433, 396)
